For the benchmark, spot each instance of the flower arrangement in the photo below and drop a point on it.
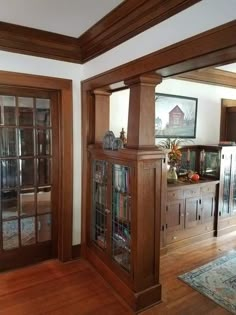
(173, 148)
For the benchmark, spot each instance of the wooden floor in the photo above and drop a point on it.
(75, 288)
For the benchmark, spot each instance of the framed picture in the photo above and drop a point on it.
(175, 116)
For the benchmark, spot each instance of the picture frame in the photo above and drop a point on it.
(175, 116)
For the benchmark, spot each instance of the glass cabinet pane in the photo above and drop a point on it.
(9, 204)
(43, 112)
(27, 202)
(8, 173)
(26, 111)
(212, 164)
(10, 234)
(99, 207)
(226, 184)
(27, 172)
(27, 226)
(44, 172)
(7, 110)
(121, 215)
(233, 210)
(26, 142)
(43, 141)
(7, 142)
(44, 200)
(44, 228)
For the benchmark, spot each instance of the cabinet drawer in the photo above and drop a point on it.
(192, 192)
(174, 194)
(208, 189)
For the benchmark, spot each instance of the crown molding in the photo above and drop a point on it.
(129, 19)
(210, 76)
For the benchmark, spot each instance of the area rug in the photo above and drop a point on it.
(216, 280)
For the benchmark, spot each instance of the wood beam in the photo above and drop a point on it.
(210, 76)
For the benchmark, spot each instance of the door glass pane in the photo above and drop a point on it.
(10, 234)
(28, 231)
(7, 110)
(8, 173)
(26, 142)
(44, 172)
(44, 200)
(43, 142)
(226, 184)
(9, 204)
(43, 112)
(44, 227)
(7, 142)
(26, 113)
(27, 202)
(27, 172)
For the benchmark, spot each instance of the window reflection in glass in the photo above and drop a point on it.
(26, 113)
(43, 112)
(8, 173)
(27, 172)
(26, 142)
(9, 204)
(7, 142)
(44, 200)
(27, 202)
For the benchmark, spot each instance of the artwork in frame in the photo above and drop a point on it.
(175, 116)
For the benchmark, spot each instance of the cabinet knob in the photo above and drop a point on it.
(107, 211)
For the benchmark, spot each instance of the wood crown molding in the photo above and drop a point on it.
(210, 76)
(127, 20)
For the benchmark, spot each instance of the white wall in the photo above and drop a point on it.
(200, 17)
(208, 113)
(42, 66)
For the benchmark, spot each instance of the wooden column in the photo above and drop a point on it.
(102, 112)
(141, 122)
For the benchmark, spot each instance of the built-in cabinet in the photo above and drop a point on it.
(125, 213)
(190, 211)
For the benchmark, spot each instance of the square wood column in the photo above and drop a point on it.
(141, 121)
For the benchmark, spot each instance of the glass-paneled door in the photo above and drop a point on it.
(27, 174)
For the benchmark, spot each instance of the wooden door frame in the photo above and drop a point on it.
(225, 103)
(214, 47)
(63, 88)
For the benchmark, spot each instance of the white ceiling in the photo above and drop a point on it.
(230, 67)
(67, 17)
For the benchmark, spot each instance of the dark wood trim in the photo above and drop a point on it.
(225, 104)
(210, 76)
(127, 20)
(65, 165)
(29, 41)
(76, 251)
(218, 46)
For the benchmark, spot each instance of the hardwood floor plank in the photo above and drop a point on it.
(75, 288)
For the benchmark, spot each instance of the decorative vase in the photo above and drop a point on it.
(172, 176)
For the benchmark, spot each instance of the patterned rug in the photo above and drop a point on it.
(216, 280)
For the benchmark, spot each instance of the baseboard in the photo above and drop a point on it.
(76, 251)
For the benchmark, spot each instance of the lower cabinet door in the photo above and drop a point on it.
(175, 216)
(192, 212)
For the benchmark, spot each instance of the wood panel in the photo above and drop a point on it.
(126, 21)
(210, 76)
(65, 164)
(25, 40)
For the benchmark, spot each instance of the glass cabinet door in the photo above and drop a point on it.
(233, 178)
(226, 169)
(121, 215)
(99, 203)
